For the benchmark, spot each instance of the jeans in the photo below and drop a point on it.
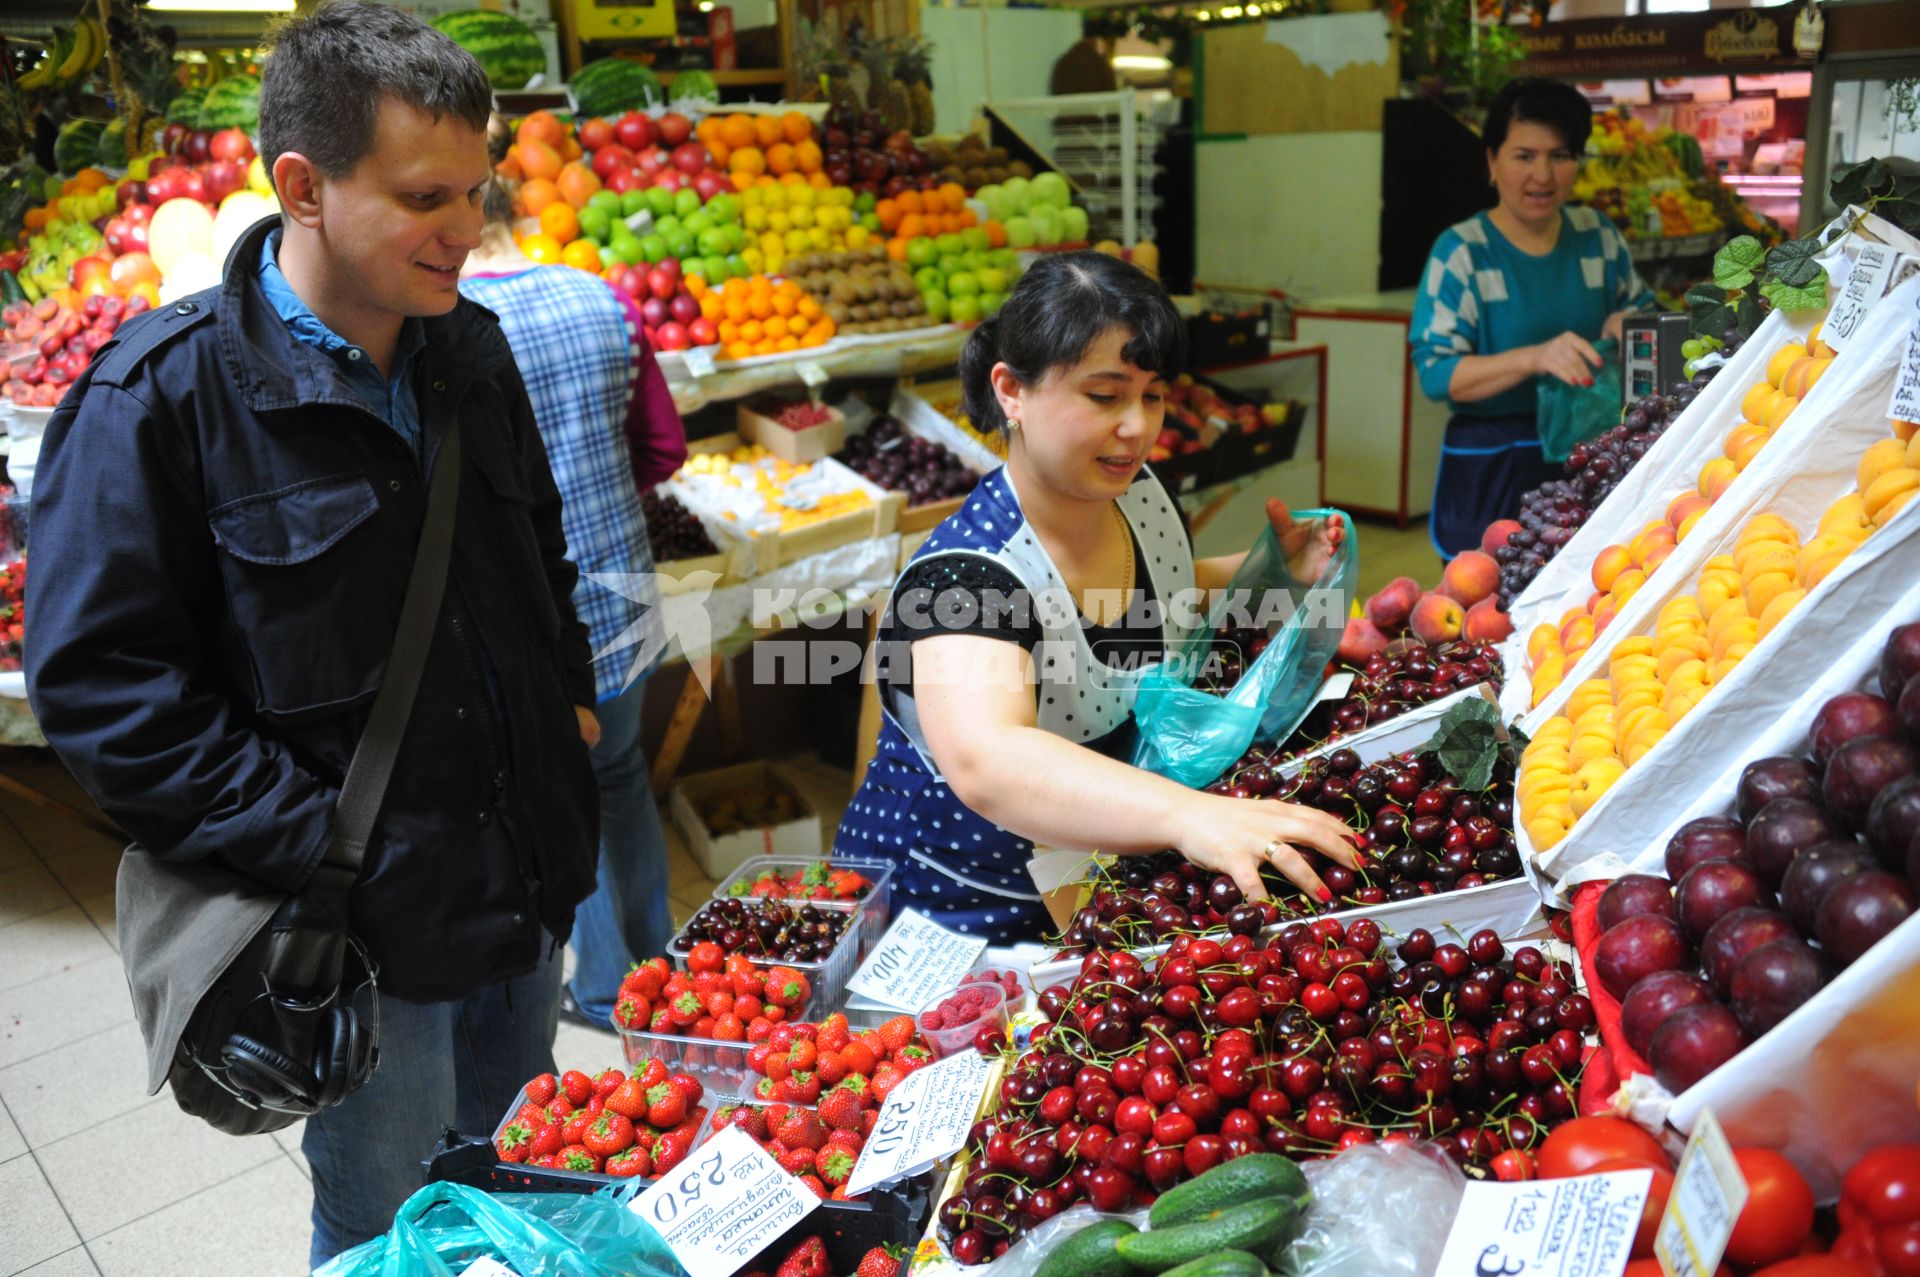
(626, 918)
(443, 1064)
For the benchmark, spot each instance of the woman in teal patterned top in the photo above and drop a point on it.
(1511, 295)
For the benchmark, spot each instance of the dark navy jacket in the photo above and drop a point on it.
(221, 538)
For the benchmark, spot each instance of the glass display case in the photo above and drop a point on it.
(1861, 110)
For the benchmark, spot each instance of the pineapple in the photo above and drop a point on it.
(912, 59)
(822, 66)
(887, 97)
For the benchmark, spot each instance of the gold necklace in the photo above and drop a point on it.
(1126, 539)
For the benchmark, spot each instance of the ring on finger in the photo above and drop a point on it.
(1272, 849)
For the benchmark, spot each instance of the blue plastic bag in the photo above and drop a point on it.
(1190, 735)
(445, 1227)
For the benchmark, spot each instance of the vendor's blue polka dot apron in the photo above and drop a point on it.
(950, 862)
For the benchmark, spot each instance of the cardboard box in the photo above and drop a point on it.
(720, 854)
(797, 446)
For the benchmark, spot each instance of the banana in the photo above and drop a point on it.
(43, 74)
(87, 43)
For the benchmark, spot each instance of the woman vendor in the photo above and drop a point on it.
(1511, 295)
(1009, 728)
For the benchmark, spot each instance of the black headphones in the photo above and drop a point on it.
(261, 1063)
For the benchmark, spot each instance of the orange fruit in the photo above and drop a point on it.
(780, 158)
(752, 331)
(736, 130)
(720, 152)
(767, 130)
(796, 126)
(911, 202)
(954, 194)
(798, 326)
(542, 248)
(729, 332)
(786, 344)
(889, 214)
(996, 234)
(913, 225)
(806, 154)
(541, 126)
(537, 159)
(560, 221)
(739, 350)
(582, 254)
(750, 160)
(576, 184)
(807, 308)
(536, 193)
(897, 250)
(819, 181)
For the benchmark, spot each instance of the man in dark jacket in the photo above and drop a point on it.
(226, 514)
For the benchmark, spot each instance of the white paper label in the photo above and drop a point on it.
(487, 1267)
(1708, 1192)
(1580, 1227)
(1872, 272)
(1905, 405)
(811, 373)
(724, 1204)
(1335, 688)
(916, 959)
(699, 361)
(926, 1117)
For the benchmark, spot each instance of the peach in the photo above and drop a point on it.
(1739, 438)
(1824, 546)
(1913, 450)
(1436, 618)
(1755, 400)
(1847, 517)
(1547, 674)
(1681, 506)
(1892, 484)
(1783, 359)
(1609, 564)
(1637, 645)
(1764, 557)
(1593, 781)
(1658, 536)
(1497, 533)
(1544, 638)
(1888, 454)
(1817, 348)
(1390, 608)
(1590, 695)
(1360, 641)
(1815, 371)
(1716, 476)
(1821, 568)
(1486, 621)
(1768, 586)
(1799, 377)
(1783, 603)
(1545, 833)
(1688, 524)
(1471, 576)
(1765, 527)
(1905, 430)
(1577, 635)
(1783, 407)
(1898, 502)
(1604, 614)
(1625, 586)
(1658, 555)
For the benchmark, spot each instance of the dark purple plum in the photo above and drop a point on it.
(1735, 936)
(1857, 913)
(1899, 660)
(1708, 838)
(1817, 871)
(1773, 980)
(1713, 889)
(1654, 998)
(1766, 779)
(1848, 716)
(1631, 895)
(1893, 820)
(1694, 1042)
(1859, 770)
(1637, 948)
(1784, 828)
(1908, 710)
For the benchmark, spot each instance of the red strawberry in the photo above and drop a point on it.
(788, 988)
(706, 957)
(834, 1033)
(652, 1073)
(543, 1088)
(776, 1115)
(708, 983)
(606, 1081)
(575, 1127)
(685, 1009)
(799, 1088)
(764, 1089)
(662, 1021)
(912, 1058)
(803, 1054)
(869, 1120)
(885, 1078)
(634, 1162)
(748, 1006)
(533, 1115)
(808, 1259)
(701, 1028)
(666, 1106)
(632, 1012)
(718, 1003)
(881, 1261)
(802, 1129)
(609, 1134)
(729, 1028)
(795, 1161)
(688, 1085)
(857, 1085)
(577, 1085)
(546, 1141)
(760, 1029)
(511, 1144)
(757, 1057)
(629, 1100)
(833, 1165)
(831, 1068)
(847, 1142)
(820, 1190)
(783, 1038)
(650, 977)
(897, 1032)
(859, 1057)
(671, 1149)
(779, 1064)
(840, 1109)
(575, 1157)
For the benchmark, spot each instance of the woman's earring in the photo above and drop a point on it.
(1013, 423)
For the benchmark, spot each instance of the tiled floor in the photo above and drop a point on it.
(97, 1177)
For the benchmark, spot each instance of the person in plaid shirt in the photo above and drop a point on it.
(611, 432)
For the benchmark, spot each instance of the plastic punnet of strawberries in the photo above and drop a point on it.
(1150, 1073)
(818, 881)
(725, 997)
(819, 1094)
(809, 1258)
(625, 1124)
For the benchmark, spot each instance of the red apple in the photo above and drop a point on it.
(231, 144)
(670, 178)
(130, 192)
(634, 131)
(710, 184)
(194, 187)
(596, 134)
(672, 337)
(173, 139)
(653, 312)
(670, 267)
(661, 284)
(620, 181)
(703, 332)
(223, 177)
(675, 128)
(691, 157)
(138, 214)
(199, 148)
(166, 185)
(684, 308)
(610, 159)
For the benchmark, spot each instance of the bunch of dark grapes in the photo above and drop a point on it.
(673, 531)
(1551, 513)
(924, 469)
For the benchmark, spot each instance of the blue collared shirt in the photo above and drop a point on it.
(393, 402)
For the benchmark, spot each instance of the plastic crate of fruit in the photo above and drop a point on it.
(689, 1131)
(804, 879)
(828, 974)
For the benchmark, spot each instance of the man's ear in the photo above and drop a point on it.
(300, 186)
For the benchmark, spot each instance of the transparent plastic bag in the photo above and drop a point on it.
(445, 1227)
(1379, 1210)
(1192, 735)
(1570, 415)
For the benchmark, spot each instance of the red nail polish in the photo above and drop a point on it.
(1326, 896)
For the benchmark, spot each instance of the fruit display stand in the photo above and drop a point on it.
(775, 548)
(695, 385)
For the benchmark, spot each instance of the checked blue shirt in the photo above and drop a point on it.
(578, 354)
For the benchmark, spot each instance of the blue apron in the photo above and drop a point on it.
(1486, 464)
(950, 862)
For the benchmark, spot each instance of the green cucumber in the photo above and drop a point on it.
(1244, 1179)
(1249, 1226)
(1091, 1252)
(1226, 1263)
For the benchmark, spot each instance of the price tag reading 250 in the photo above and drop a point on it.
(724, 1204)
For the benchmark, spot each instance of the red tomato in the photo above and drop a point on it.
(1656, 1198)
(1811, 1266)
(1884, 1185)
(1898, 1249)
(1575, 1146)
(1779, 1210)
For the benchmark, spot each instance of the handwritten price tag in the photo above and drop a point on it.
(1905, 405)
(1708, 1192)
(720, 1207)
(916, 959)
(811, 373)
(1580, 1227)
(926, 1117)
(1865, 285)
(699, 361)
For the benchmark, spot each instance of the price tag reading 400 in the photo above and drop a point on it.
(724, 1205)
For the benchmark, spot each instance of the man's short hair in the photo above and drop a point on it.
(329, 71)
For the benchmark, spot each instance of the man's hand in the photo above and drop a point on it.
(1309, 545)
(589, 725)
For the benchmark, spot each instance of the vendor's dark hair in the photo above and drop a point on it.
(1551, 103)
(330, 70)
(1057, 311)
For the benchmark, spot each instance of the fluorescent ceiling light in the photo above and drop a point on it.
(221, 6)
(1141, 62)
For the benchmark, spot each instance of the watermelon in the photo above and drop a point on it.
(111, 150)
(695, 85)
(234, 103)
(74, 147)
(611, 87)
(505, 47)
(185, 107)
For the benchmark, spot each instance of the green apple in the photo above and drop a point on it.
(680, 245)
(667, 224)
(865, 202)
(697, 223)
(950, 263)
(654, 247)
(992, 279)
(632, 201)
(1073, 224)
(624, 251)
(595, 224)
(1019, 193)
(920, 252)
(976, 238)
(1050, 188)
(607, 200)
(659, 201)
(949, 244)
(1020, 233)
(686, 201)
(715, 269)
(929, 279)
(871, 221)
(972, 260)
(712, 241)
(963, 284)
(990, 303)
(965, 310)
(938, 307)
(737, 267)
(724, 208)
